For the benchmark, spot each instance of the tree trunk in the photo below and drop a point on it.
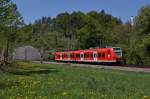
(6, 51)
(2, 54)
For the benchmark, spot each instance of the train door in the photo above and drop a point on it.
(60, 56)
(68, 56)
(81, 56)
(103, 56)
(109, 54)
(95, 56)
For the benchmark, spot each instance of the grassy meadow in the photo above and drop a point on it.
(51, 81)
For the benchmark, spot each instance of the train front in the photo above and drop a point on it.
(119, 55)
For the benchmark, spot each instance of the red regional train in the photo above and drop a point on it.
(97, 55)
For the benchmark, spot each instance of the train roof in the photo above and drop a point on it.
(89, 50)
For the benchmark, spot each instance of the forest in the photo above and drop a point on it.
(76, 30)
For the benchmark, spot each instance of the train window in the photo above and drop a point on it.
(63, 56)
(99, 55)
(82, 56)
(118, 53)
(91, 55)
(103, 55)
(71, 55)
(117, 48)
(77, 55)
(87, 55)
(94, 55)
(108, 51)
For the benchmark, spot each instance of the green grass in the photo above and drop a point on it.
(49, 81)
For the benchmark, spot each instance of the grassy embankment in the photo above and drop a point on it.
(49, 81)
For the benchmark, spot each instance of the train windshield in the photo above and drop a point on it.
(117, 48)
(118, 51)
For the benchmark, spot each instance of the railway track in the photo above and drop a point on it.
(134, 68)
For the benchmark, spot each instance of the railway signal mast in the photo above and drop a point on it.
(132, 20)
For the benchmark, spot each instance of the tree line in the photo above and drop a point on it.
(76, 30)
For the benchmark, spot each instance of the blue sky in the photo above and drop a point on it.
(35, 9)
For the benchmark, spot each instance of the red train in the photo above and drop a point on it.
(97, 55)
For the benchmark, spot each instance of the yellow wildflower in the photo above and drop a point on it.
(11, 97)
(145, 97)
(43, 97)
(64, 93)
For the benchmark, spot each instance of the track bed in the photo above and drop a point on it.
(134, 68)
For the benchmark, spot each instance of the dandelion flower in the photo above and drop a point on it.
(64, 93)
(145, 97)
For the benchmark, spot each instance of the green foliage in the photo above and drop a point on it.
(134, 57)
(141, 35)
(142, 21)
(90, 35)
(146, 49)
(72, 31)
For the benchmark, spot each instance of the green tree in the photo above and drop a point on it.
(90, 35)
(10, 20)
(142, 21)
(142, 31)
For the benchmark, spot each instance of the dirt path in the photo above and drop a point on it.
(135, 69)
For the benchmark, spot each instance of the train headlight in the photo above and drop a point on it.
(108, 55)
